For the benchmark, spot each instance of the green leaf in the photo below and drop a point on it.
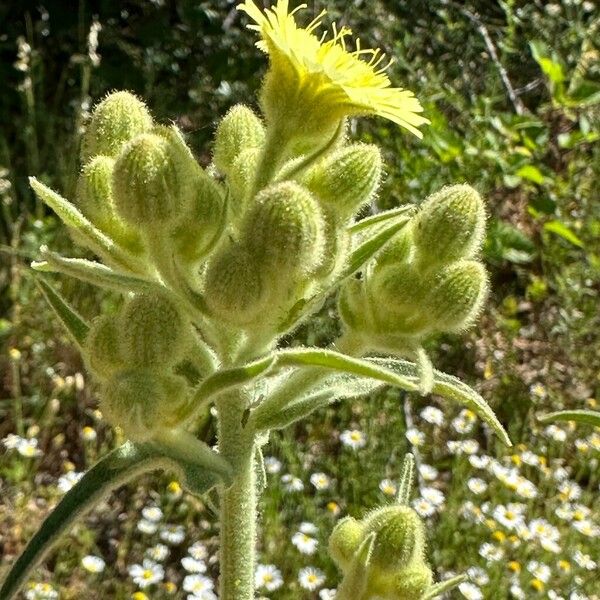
(370, 247)
(564, 232)
(85, 230)
(407, 480)
(329, 359)
(444, 586)
(354, 584)
(452, 388)
(550, 67)
(586, 417)
(115, 469)
(531, 173)
(222, 381)
(92, 272)
(364, 225)
(73, 323)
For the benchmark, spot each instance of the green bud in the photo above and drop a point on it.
(353, 305)
(115, 121)
(344, 541)
(397, 292)
(400, 537)
(233, 289)
(457, 296)
(200, 229)
(143, 402)
(398, 250)
(95, 199)
(239, 130)
(152, 183)
(347, 179)
(241, 175)
(284, 231)
(450, 225)
(412, 583)
(102, 347)
(153, 330)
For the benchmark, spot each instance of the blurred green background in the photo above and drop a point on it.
(512, 89)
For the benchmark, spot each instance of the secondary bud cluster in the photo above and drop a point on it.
(396, 568)
(427, 280)
(141, 186)
(133, 354)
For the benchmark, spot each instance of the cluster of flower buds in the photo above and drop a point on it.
(383, 555)
(133, 354)
(427, 280)
(287, 239)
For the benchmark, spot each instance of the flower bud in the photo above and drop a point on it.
(241, 175)
(143, 402)
(347, 179)
(115, 121)
(154, 331)
(95, 199)
(152, 181)
(344, 541)
(400, 537)
(457, 296)
(102, 347)
(284, 231)
(240, 129)
(202, 226)
(233, 289)
(353, 306)
(450, 225)
(397, 292)
(412, 583)
(398, 250)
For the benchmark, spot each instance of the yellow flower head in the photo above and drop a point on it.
(326, 73)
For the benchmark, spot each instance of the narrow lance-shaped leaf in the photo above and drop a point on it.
(454, 389)
(85, 229)
(585, 417)
(383, 218)
(438, 589)
(73, 323)
(222, 381)
(115, 469)
(407, 480)
(91, 272)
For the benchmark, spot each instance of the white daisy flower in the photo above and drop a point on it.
(304, 543)
(146, 574)
(268, 577)
(428, 473)
(198, 551)
(388, 487)
(93, 564)
(158, 552)
(291, 483)
(470, 591)
(272, 465)
(198, 584)
(476, 485)
(311, 578)
(353, 438)
(432, 415)
(193, 565)
(147, 527)
(152, 513)
(68, 480)
(414, 436)
(320, 481)
(172, 534)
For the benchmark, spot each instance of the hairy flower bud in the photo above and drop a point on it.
(233, 289)
(240, 129)
(152, 181)
(457, 296)
(116, 120)
(154, 331)
(202, 226)
(241, 175)
(102, 347)
(353, 305)
(95, 199)
(450, 225)
(143, 401)
(399, 537)
(344, 541)
(412, 582)
(347, 178)
(284, 231)
(398, 250)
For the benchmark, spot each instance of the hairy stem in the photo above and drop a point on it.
(237, 502)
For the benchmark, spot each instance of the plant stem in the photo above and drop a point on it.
(238, 502)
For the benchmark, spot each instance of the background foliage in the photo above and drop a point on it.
(513, 92)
